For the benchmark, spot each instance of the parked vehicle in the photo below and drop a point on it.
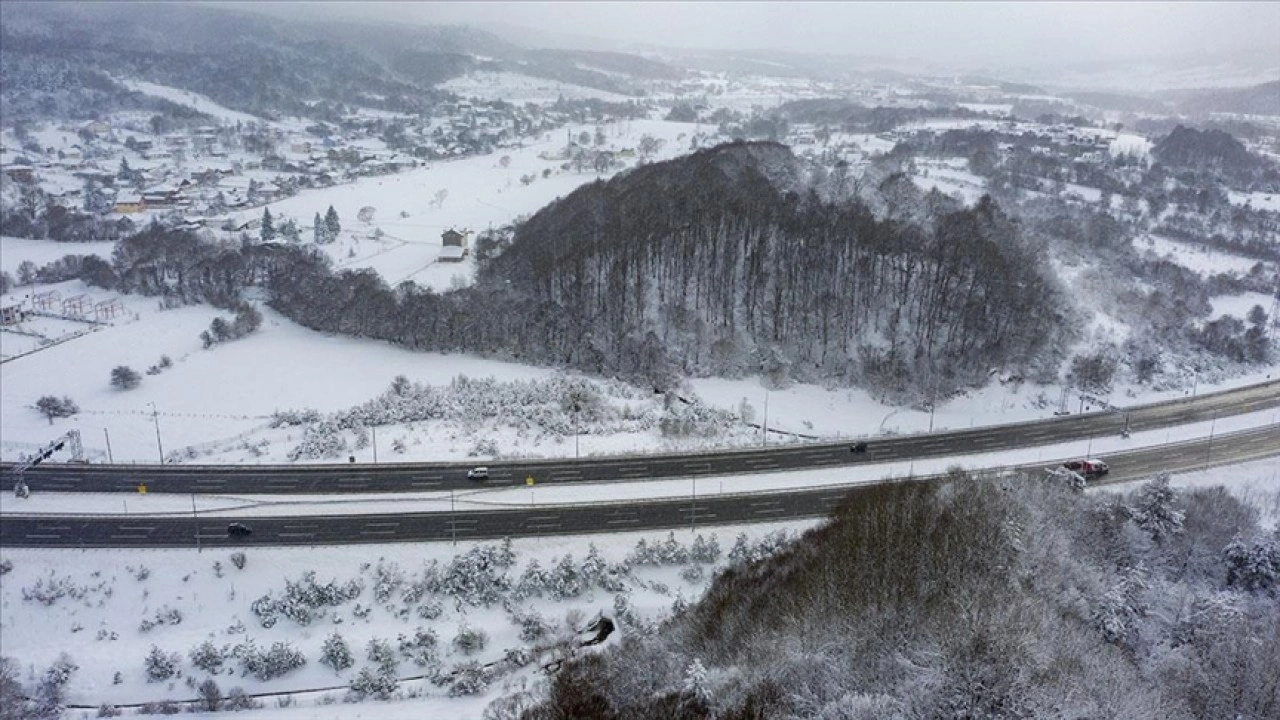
(239, 530)
(478, 473)
(1088, 469)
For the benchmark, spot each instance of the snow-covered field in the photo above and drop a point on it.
(1204, 260)
(1259, 200)
(479, 194)
(518, 88)
(110, 593)
(192, 100)
(950, 177)
(1240, 305)
(14, 251)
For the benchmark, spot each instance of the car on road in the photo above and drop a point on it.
(478, 474)
(858, 447)
(239, 530)
(1088, 469)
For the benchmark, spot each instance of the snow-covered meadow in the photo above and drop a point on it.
(479, 193)
(528, 599)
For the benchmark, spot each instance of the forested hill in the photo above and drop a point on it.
(724, 261)
(1207, 149)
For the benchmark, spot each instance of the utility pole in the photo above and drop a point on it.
(375, 444)
(576, 408)
(110, 459)
(155, 417)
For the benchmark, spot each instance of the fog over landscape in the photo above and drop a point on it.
(546, 360)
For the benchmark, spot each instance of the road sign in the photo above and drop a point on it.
(529, 481)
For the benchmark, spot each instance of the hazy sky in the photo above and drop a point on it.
(1004, 33)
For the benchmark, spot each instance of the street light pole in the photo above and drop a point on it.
(575, 430)
(110, 459)
(155, 417)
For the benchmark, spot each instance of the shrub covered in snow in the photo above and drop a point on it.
(336, 653)
(387, 578)
(421, 648)
(208, 657)
(377, 683)
(161, 665)
(164, 616)
(280, 660)
(379, 652)
(303, 598)
(469, 678)
(470, 640)
(477, 577)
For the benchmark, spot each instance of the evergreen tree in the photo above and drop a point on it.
(268, 231)
(332, 225)
(320, 231)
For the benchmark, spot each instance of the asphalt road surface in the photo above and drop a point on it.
(692, 512)
(416, 477)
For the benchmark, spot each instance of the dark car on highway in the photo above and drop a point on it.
(239, 530)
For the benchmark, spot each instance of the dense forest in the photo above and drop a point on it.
(734, 266)
(969, 598)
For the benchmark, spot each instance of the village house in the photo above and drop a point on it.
(127, 203)
(21, 173)
(12, 314)
(96, 127)
(455, 246)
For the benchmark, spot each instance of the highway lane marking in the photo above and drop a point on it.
(136, 528)
(295, 535)
(49, 537)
